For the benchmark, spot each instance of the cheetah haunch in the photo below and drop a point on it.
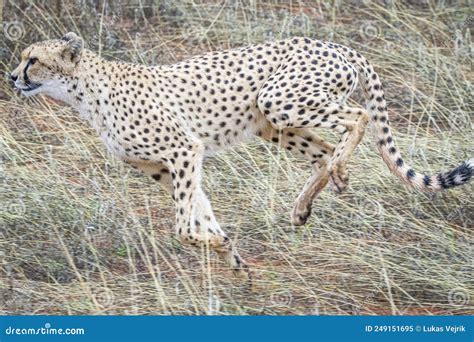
(164, 120)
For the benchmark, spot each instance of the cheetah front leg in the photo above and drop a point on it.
(195, 220)
(157, 171)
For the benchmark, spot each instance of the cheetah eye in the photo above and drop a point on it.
(32, 61)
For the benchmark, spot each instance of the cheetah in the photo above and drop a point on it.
(164, 120)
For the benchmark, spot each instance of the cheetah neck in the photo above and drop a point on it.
(92, 88)
(88, 89)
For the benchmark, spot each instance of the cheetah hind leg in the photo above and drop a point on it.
(338, 166)
(304, 143)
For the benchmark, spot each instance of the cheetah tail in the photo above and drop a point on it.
(377, 109)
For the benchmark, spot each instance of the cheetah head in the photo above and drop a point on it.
(45, 65)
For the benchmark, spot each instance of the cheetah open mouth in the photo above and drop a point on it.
(30, 87)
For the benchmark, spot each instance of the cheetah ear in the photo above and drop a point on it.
(74, 45)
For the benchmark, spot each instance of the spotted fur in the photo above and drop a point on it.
(164, 120)
(377, 107)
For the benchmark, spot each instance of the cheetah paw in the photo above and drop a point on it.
(300, 216)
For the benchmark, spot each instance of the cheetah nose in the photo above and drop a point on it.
(13, 77)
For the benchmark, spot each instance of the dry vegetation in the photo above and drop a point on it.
(80, 233)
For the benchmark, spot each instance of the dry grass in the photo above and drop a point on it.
(80, 233)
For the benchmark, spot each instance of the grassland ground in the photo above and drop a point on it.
(82, 233)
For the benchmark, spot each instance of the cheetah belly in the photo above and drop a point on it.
(238, 128)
